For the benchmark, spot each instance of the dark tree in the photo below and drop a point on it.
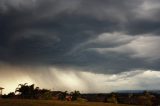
(25, 91)
(75, 95)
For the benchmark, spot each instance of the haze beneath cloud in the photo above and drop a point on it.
(89, 45)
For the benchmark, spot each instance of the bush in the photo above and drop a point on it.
(47, 95)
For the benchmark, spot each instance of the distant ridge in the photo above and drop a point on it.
(137, 91)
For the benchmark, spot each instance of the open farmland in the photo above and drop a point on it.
(52, 103)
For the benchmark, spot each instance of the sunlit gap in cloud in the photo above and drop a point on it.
(11, 80)
(11, 84)
(88, 82)
(71, 79)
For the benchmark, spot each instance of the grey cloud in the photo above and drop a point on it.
(7, 5)
(64, 33)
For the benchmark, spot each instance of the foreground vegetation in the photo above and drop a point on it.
(28, 95)
(21, 102)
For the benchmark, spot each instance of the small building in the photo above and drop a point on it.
(1, 89)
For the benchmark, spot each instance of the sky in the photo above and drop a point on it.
(87, 45)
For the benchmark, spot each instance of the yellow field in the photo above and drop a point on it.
(51, 103)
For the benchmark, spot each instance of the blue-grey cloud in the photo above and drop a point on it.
(70, 34)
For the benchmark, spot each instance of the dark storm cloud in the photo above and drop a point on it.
(52, 32)
(142, 26)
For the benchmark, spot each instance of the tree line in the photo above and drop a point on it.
(25, 91)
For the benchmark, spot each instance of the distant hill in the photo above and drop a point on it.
(138, 91)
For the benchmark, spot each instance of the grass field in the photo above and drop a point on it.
(51, 103)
